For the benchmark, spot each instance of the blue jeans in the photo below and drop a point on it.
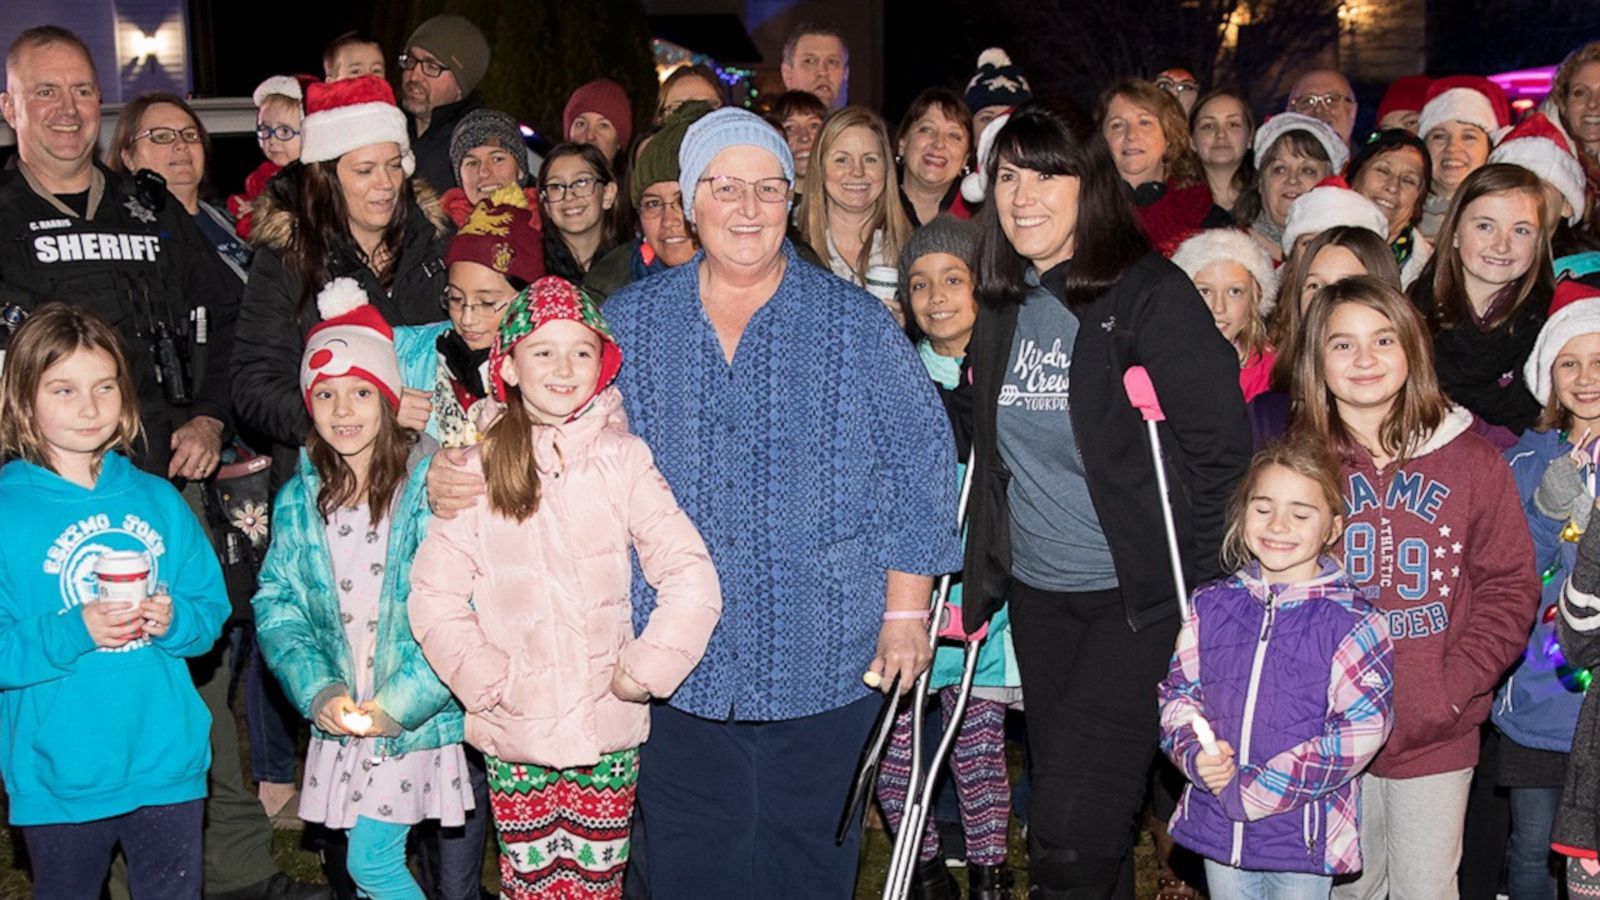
(1224, 881)
(1528, 869)
(377, 861)
(273, 722)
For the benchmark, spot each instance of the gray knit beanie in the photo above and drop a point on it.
(486, 126)
(717, 131)
(457, 43)
(945, 234)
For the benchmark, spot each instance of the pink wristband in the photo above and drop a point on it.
(895, 614)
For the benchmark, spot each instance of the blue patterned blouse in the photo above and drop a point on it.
(813, 464)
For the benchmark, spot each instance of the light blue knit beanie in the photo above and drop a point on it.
(716, 132)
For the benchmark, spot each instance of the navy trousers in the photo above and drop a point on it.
(162, 844)
(748, 809)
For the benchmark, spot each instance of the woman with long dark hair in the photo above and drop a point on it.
(348, 209)
(1065, 515)
(579, 198)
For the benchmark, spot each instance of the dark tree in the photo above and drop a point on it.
(544, 50)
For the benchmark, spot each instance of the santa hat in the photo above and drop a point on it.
(1540, 147)
(351, 114)
(351, 339)
(1471, 99)
(547, 300)
(998, 82)
(1216, 245)
(279, 85)
(975, 186)
(1407, 93)
(1285, 122)
(499, 234)
(1328, 204)
(1574, 311)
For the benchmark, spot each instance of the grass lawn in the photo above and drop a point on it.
(303, 864)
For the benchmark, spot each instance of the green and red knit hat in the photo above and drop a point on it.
(547, 300)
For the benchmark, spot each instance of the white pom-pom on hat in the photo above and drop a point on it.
(975, 186)
(340, 296)
(994, 56)
(277, 84)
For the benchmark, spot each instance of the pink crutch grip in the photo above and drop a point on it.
(1142, 394)
(952, 629)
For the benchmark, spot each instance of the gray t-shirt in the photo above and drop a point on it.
(1057, 543)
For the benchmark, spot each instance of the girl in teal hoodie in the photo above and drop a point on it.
(385, 752)
(106, 739)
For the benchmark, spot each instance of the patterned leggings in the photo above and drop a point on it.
(563, 832)
(979, 763)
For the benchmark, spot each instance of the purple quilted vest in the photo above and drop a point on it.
(1270, 665)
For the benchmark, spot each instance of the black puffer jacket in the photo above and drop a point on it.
(272, 327)
(1154, 318)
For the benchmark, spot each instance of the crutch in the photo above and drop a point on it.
(943, 622)
(872, 754)
(1142, 394)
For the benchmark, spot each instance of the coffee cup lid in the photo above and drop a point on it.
(122, 562)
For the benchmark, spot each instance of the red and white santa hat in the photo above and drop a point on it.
(1537, 145)
(1472, 99)
(351, 114)
(351, 339)
(1331, 203)
(278, 86)
(1574, 311)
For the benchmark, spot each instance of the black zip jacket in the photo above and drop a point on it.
(136, 265)
(1151, 317)
(432, 147)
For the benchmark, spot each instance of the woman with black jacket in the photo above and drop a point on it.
(348, 209)
(1066, 520)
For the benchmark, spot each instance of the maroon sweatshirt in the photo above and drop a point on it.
(1440, 545)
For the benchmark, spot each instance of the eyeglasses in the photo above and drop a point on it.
(655, 207)
(728, 189)
(281, 132)
(455, 302)
(579, 188)
(164, 136)
(1312, 102)
(1182, 87)
(430, 67)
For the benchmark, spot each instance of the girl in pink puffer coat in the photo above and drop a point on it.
(521, 603)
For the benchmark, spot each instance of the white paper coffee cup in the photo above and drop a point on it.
(122, 577)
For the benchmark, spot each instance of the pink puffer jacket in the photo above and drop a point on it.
(532, 656)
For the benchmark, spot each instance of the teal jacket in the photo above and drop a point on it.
(417, 348)
(302, 638)
(88, 733)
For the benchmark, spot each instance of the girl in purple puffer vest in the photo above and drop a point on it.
(1291, 669)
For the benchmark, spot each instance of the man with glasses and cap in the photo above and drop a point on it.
(443, 62)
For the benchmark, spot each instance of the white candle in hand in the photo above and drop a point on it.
(357, 721)
(1207, 737)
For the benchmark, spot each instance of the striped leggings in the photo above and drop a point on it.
(978, 762)
(563, 832)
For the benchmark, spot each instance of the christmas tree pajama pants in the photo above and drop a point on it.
(563, 832)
